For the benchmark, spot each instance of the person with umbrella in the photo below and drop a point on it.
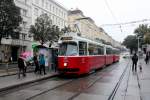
(22, 66)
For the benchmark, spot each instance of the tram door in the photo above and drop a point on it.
(82, 48)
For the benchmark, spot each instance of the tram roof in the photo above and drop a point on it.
(79, 38)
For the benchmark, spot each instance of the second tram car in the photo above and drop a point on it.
(78, 55)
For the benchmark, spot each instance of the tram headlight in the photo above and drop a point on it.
(65, 64)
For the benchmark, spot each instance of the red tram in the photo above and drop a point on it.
(78, 55)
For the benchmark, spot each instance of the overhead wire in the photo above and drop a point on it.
(127, 23)
(113, 15)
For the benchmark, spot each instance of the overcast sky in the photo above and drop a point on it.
(123, 10)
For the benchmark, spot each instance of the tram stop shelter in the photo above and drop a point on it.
(47, 52)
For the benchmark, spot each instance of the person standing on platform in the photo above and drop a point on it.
(21, 66)
(146, 58)
(35, 59)
(42, 63)
(134, 60)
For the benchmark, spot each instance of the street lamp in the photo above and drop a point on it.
(139, 37)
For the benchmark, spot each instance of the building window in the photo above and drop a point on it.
(36, 11)
(56, 21)
(23, 36)
(50, 7)
(59, 12)
(46, 5)
(24, 12)
(50, 16)
(61, 22)
(36, 2)
(53, 19)
(24, 24)
(25, 1)
(53, 9)
(62, 14)
(42, 12)
(56, 11)
(42, 3)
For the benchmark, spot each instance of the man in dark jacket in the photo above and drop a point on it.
(21, 66)
(146, 58)
(134, 60)
(36, 62)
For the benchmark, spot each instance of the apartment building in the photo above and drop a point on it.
(30, 10)
(55, 11)
(86, 25)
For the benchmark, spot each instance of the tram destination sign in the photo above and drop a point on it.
(66, 38)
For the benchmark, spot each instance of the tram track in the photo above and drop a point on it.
(65, 83)
(75, 95)
(127, 82)
(113, 92)
(81, 90)
(112, 95)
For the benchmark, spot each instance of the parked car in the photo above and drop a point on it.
(127, 55)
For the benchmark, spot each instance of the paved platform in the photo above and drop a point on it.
(134, 87)
(137, 85)
(13, 71)
(144, 81)
(8, 82)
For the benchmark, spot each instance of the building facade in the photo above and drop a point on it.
(57, 13)
(11, 48)
(87, 27)
(30, 10)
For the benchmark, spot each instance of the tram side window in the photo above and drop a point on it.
(113, 51)
(108, 51)
(117, 52)
(93, 49)
(82, 48)
(100, 50)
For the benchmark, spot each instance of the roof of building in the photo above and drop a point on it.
(77, 11)
(59, 4)
(86, 18)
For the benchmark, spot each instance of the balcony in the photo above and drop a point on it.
(20, 42)
(16, 42)
(23, 3)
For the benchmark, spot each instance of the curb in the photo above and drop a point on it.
(26, 83)
(14, 74)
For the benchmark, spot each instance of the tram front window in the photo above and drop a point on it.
(68, 49)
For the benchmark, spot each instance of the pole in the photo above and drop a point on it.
(138, 46)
